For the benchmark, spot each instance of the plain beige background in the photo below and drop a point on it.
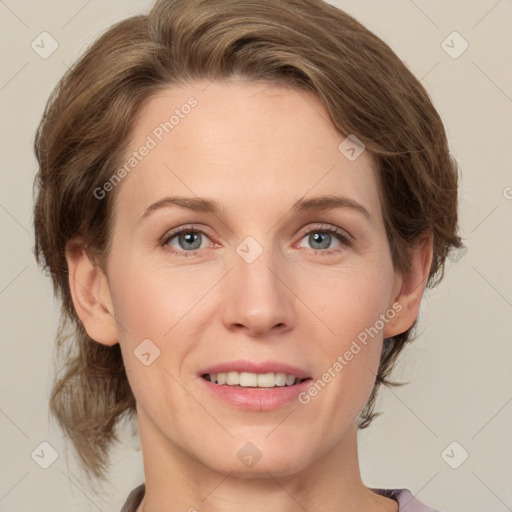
(459, 400)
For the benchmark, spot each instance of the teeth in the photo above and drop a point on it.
(232, 378)
(281, 379)
(249, 379)
(267, 380)
(290, 379)
(253, 380)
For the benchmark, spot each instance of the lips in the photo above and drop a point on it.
(243, 394)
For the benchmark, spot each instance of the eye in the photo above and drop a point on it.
(188, 241)
(320, 238)
(185, 241)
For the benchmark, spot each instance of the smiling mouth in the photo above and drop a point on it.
(253, 380)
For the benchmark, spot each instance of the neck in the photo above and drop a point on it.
(178, 481)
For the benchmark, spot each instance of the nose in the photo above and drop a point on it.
(258, 296)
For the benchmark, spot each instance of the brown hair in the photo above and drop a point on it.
(304, 44)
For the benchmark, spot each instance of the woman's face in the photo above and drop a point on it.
(282, 266)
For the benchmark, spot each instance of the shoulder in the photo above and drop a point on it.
(407, 502)
(134, 499)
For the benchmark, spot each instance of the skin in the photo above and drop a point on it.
(257, 149)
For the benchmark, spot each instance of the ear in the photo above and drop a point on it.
(91, 295)
(409, 288)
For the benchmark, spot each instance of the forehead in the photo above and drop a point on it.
(249, 144)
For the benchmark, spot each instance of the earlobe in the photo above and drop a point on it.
(91, 295)
(411, 285)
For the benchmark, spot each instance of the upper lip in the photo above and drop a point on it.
(254, 367)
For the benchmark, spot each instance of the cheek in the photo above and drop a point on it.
(349, 302)
(352, 308)
(139, 311)
(150, 311)
(156, 311)
(149, 301)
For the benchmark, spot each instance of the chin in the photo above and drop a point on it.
(258, 457)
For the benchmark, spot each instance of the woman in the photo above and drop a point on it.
(241, 203)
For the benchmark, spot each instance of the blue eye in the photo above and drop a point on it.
(188, 240)
(320, 239)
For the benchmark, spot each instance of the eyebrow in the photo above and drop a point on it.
(198, 204)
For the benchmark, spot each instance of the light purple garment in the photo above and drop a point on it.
(406, 501)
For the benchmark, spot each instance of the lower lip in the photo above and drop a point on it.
(256, 399)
